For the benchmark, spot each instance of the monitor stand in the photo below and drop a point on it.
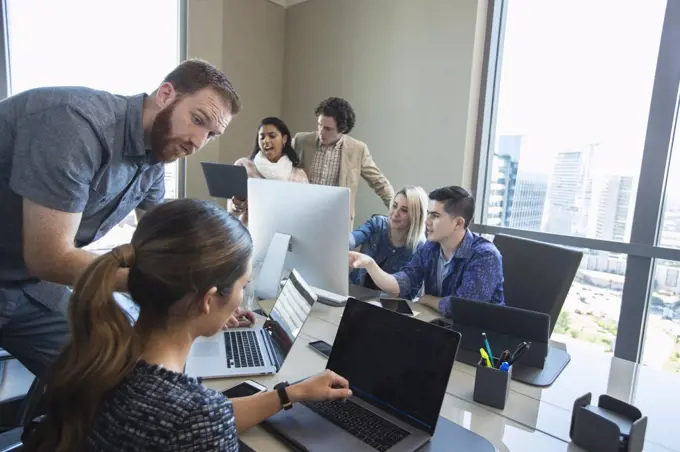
(269, 279)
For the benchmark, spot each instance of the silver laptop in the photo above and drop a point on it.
(255, 351)
(398, 368)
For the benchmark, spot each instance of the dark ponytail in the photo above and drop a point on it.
(180, 250)
(102, 350)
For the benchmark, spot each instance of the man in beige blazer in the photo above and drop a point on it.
(331, 157)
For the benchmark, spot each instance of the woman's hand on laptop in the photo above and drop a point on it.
(241, 318)
(325, 386)
(359, 260)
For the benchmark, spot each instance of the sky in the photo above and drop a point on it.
(578, 72)
(124, 46)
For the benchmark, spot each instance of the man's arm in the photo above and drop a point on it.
(375, 178)
(48, 244)
(297, 146)
(386, 282)
(404, 283)
(481, 278)
(430, 301)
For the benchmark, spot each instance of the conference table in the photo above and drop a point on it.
(534, 419)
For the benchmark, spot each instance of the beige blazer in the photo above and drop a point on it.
(355, 161)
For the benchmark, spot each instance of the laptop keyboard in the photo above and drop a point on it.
(242, 349)
(361, 423)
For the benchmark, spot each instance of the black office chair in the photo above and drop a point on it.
(537, 275)
(10, 441)
(15, 384)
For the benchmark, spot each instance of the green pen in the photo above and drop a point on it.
(488, 350)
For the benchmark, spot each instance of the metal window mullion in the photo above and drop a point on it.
(5, 87)
(488, 103)
(649, 200)
(632, 249)
(183, 54)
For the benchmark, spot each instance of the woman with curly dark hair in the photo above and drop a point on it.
(273, 157)
(331, 157)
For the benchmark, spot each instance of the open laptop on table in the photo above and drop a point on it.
(255, 351)
(398, 368)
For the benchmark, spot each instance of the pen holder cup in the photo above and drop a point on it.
(492, 386)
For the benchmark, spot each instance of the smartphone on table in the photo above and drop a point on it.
(397, 305)
(244, 389)
(322, 347)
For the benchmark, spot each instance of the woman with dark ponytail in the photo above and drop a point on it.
(119, 387)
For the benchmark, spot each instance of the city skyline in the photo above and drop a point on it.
(572, 198)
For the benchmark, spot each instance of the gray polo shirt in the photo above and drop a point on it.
(76, 150)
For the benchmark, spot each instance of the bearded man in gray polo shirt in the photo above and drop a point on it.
(74, 162)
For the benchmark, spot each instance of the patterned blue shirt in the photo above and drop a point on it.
(374, 240)
(474, 272)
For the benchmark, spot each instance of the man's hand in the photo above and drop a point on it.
(358, 260)
(241, 318)
(430, 301)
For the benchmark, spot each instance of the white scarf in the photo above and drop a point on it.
(280, 170)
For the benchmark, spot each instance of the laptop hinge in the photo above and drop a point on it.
(269, 348)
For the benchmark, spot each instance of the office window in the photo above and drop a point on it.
(573, 109)
(590, 314)
(662, 338)
(124, 47)
(662, 335)
(669, 233)
(575, 88)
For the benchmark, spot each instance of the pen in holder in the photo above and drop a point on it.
(492, 385)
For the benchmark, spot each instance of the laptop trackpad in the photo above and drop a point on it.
(302, 425)
(207, 349)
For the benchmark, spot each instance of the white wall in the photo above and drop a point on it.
(246, 39)
(410, 69)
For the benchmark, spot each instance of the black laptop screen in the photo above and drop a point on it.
(398, 363)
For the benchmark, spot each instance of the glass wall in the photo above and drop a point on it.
(567, 141)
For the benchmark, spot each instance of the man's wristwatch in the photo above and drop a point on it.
(283, 395)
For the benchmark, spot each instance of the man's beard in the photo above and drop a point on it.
(161, 138)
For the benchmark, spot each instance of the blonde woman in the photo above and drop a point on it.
(391, 240)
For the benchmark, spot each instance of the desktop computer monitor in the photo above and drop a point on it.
(303, 227)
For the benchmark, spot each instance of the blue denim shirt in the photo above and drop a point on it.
(475, 272)
(374, 240)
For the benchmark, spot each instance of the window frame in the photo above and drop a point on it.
(642, 249)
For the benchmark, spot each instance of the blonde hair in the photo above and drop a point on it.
(416, 202)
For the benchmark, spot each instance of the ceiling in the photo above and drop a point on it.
(287, 3)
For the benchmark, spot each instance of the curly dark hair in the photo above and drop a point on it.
(285, 132)
(340, 110)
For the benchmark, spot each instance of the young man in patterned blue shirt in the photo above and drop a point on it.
(454, 262)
